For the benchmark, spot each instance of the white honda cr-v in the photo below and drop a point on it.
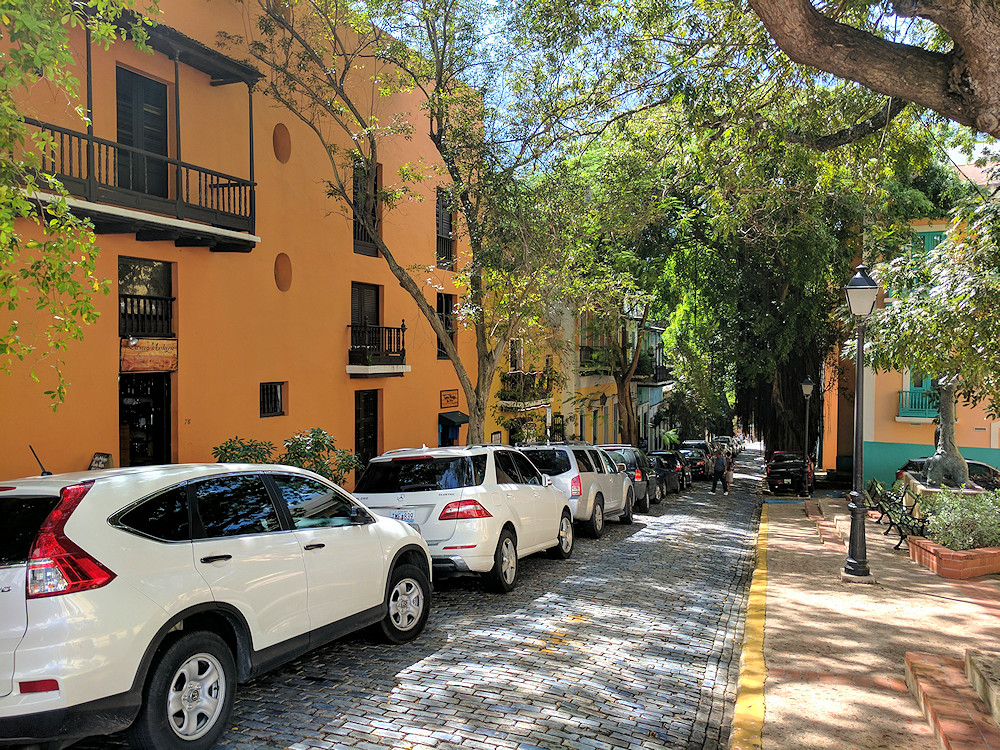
(140, 597)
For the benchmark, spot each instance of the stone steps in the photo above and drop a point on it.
(945, 692)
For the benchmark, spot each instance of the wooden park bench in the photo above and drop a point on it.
(899, 508)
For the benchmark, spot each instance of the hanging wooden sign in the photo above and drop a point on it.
(148, 355)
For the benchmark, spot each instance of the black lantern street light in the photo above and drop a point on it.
(862, 291)
(807, 391)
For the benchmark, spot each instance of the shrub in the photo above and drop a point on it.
(238, 450)
(961, 522)
(316, 450)
(313, 449)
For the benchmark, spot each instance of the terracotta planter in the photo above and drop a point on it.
(948, 563)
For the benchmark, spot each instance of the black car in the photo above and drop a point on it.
(697, 461)
(644, 479)
(676, 463)
(786, 470)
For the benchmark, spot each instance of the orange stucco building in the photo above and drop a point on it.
(241, 303)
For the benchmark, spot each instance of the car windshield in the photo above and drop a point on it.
(623, 457)
(419, 474)
(786, 458)
(697, 455)
(552, 461)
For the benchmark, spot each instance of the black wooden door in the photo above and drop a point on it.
(142, 123)
(366, 425)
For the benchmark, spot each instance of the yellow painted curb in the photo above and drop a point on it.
(748, 719)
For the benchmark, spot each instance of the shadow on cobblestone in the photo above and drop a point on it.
(631, 643)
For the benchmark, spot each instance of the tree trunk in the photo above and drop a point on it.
(947, 467)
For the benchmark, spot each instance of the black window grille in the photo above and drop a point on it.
(364, 242)
(271, 400)
(445, 232)
(446, 311)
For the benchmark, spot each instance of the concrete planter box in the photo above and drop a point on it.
(948, 563)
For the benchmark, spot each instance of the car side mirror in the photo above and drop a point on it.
(359, 516)
(622, 467)
(546, 480)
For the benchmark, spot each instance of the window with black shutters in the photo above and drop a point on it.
(364, 305)
(516, 355)
(142, 124)
(272, 399)
(365, 204)
(446, 312)
(445, 232)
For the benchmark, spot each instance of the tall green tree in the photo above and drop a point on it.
(47, 254)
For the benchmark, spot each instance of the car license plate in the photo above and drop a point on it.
(786, 481)
(402, 515)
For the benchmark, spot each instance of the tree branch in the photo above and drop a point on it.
(875, 123)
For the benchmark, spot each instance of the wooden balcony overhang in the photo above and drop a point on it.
(149, 227)
(222, 69)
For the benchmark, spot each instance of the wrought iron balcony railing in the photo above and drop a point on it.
(377, 345)
(104, 171)
(141, 315)
(525, 387)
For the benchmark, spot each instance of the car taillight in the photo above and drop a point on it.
(463, 509)
(638, 475)
(576, 486)
(57, 565)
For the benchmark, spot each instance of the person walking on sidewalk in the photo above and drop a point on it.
(720, 470)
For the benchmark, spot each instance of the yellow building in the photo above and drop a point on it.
(242, 302)
(899, 411)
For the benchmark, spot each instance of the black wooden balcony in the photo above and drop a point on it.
(106, 172)
(377, 345)
(146, 316)
(525, 387)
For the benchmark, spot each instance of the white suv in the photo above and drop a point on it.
(480, 508)
(594, 485)
(140, 597)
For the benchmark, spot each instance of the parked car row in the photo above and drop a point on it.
(138, 598)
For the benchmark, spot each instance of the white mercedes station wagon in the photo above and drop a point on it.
(480, 507)
(140, 597)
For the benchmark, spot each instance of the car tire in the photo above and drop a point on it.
(502, 577)
(643, 505)
(626, 517)
(197, 666)
(595, 526)
(658, 494)
(408, 602)
(564, 545)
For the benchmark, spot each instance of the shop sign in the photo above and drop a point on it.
(449, 399)
(148, 355)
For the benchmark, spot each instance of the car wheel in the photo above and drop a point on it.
(595, 526)
(564, 548)
(626, 516)
(503, 575)
(643, 505)
(408, 603)
(658, 495)
(188, 696)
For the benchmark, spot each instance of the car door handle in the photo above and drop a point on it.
(216, 558)
(316, 545)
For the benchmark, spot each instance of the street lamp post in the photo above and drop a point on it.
(807, 391)
(862, 291)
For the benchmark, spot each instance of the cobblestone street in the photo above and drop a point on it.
(632, 643)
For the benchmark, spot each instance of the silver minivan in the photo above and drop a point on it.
(595, 486)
